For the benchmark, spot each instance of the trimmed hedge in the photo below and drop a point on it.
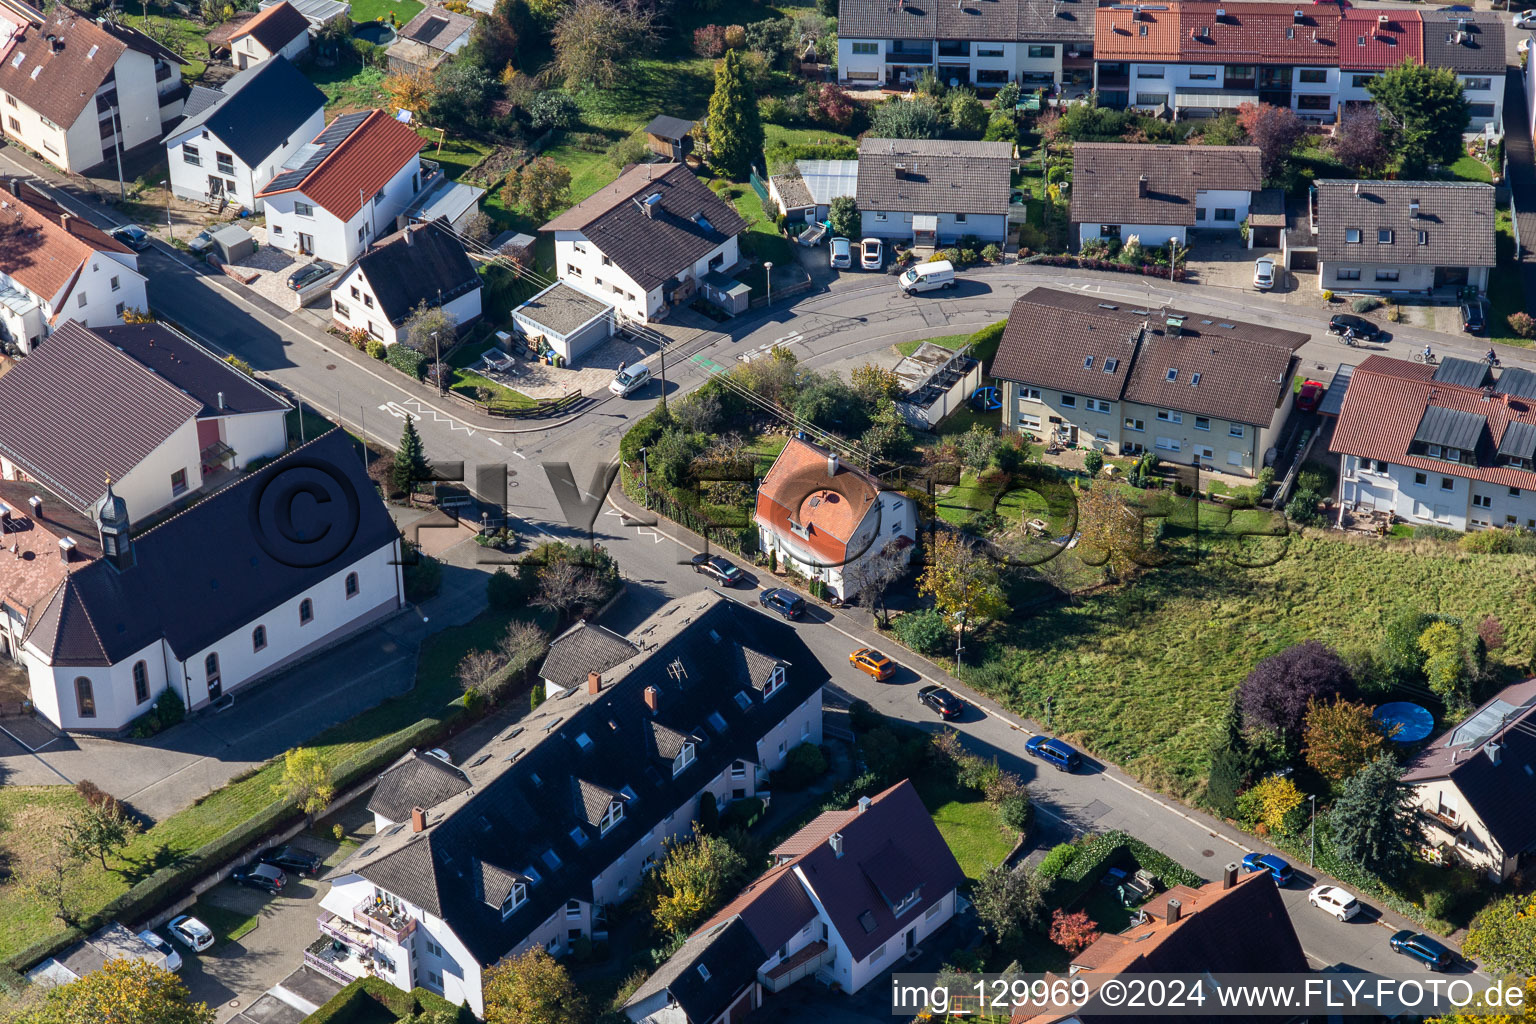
(1098, 854)
(349, 1004)
(407, 361)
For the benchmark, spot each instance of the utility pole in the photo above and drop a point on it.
(1312, 853)
(117, 146)
(170, 229)
(438, 341)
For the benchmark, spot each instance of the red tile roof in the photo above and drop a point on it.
(830, 506)
(1388, 397)
(1258, 32)
(1368, 44)
(275, 27)
(42, 247)
(359, 166)
(1117, 34)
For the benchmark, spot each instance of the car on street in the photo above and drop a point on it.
(872, 662)
(841, 253)
(165, 949)
(291, 858)
(1264, 273)
(630, 379)
(871, 254)
(440, 754)
(1472, 319)
(260, 876)
(1363, 328)
(133, 236)
(1310, 395)
(192, 933)
(718, 569)
(1278, 868)
(1420, 947)
(201, 242)
(1054, 752)
(308, 275)
(786, 602)
(1525, 19)
(945, 704)
(1338, 902)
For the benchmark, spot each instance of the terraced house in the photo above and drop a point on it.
(1195, 389)
(562, 816)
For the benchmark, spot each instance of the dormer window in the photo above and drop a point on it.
(516, 898)
(683, 759)
(613, 817)
(775, 681)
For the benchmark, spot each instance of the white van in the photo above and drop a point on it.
(925, 277)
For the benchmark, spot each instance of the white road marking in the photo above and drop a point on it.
(495, 442)
(397, 411)
(655, 535)
(426, 410)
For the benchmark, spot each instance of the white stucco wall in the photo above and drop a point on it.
(581, 264)
(190, 181)
(354, 305)
(1152, 235)
(255, 435)
(952, 226)
(336, 241)
(109, 284)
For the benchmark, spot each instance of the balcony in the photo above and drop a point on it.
(1442, 822)
(384, 920)
(802, 964)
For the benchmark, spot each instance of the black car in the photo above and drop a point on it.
(1472, 319)
(718, 569)
(944, 703)
(1363, 328)
(306, 276)
(786, 602)
(260, 876)
(1420, 947)
(133, 236)
(291, 858)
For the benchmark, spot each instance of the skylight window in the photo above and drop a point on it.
(36, 71)
(16, 61)
(1088, 363)
(578, 836)
(584, 741)
(1195, 380)
(92, 52)
(717, 723)
(703, 972)
(742, 700)
(867, 922)
(551, 859)
(1110, 365)
(532, 874)
(1172, 374)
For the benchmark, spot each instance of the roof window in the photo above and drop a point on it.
(703, 972)
(584, 741)
(717, 723)
(1088, 363)
(21, 55)
(1352, 235)
(1172, 374)
(551, 859)
(1110, 365)
(1194, 381)
(92, 52)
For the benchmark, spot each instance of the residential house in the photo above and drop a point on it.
(156, 412)
(566, 812)
(1444, 445)
(645, 243)
(1370, 41)
(80, 91)
(278, 31)
(207, 601)
(1474, 786)
(319, 13)
(1192, 388)
(932, 192)
(340, 191)
(826, 519)
(1470, 43)
(848, 896)
(1157, 193)
(56, 267)
(238, 138)
(1404, 237)
(50, 540)
(583, 648)
(424, 263)
(806, 193)
(1036, 43)
(670, 138)
(429, 39)
(416, 779)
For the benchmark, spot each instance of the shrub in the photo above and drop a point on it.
(1364, 304)
(1523, 324)
(924, 631)
(1427, 532)
(1302, 508)
(507, 590)
(1488, 542)
(1327, 295)
(743, 813)
(1056, 861)
(1073, 932)
(377, 348)
(1093, 461)
(1013, 812)
(535, 696)
(169, 708)
(991, 253)
(407, 361)
(802, 766)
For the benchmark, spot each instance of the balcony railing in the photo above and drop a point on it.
(384, 920)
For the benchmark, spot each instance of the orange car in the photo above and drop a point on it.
(867, 659)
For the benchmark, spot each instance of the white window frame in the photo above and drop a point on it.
(683, 759)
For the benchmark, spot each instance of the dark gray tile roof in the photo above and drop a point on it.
(1469, 373)
(1267, 210)
(258, 111)
(1457, 219)
(979, 20)
(936, 176)
(689, 221)
(730, 957)
(1106, 180)
(1468, 42)
(521, 813)
(191, 368)
(204, 571)
(199, 99)
(421, 263)
(581, 649)
(1519, 440)
(77, 410)
(664, 126)
(416, 780)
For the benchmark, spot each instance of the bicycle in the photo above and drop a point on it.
(1431, 359)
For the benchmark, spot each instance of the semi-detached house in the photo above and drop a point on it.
(561, 816)
(931, 192)
(1158, 193)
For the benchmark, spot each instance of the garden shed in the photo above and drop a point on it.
(669, 137)
(233, 243)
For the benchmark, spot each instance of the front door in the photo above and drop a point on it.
(911, 939)
(215, 185)
(306, 244)
(215, 690)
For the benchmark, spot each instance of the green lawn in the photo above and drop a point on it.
(467, 382)
(183, 36)
(371, 10)
(951, 341)
(776, 135)
(1470, 168)
(456, 155)
(1506, 289)
(965, 499)
(765, 448)
(967, 822)
(762, 240)
(350, 85)
(227, 924)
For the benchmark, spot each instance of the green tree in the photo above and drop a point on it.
(1274, 803)
(1008, 902)
(430, 329)
(306, 780)
(1445, 661)
(461, 90)
(966, 114)
(539, 189)
(1424, 113)
(888, 437)
(95, 831)
(873, 383)
(532, 988)
(123, 991)
(1371, 822)
(896, 118)
(1340, 737)
(963, 581)
(594, 41)
(411, 465)
(694, 876)
(735, 133)
(843, 212)
(1503, 935)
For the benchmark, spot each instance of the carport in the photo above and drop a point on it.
(1266, 219)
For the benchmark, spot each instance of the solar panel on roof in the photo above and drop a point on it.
(1451, 428)
(311, 154)
(1519, 441)
(1517, 381)
(1463, 372)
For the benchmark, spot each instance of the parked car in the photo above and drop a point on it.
(1264, 273)
(841, 253)
(944, 703)
(1278, 868)
(133, 236)
(1525, 19)
(308, 275)
(1054, 752)
(925, 277)
(1472, 319)
(192, 933)
(871, 254)
(1420, 947)
(440, 754)
(630, 379)
(1363, 328)
(260, 876)
(872, 662)
(718, 569)
(1338, 902)
(201, 242)
(786, 602)
(164, 948)
(291, 858)
(1310, 396)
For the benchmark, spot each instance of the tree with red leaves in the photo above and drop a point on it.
(1359, 142)
(1276, 693)
(1073, 932)
(1275, 130)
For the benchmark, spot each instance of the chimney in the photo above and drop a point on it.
(1175, 326)
(864, 803)
(1495, 752)
(901, 170)
(1174, 906)
(64, 221)
(652, 698)
(652, 205)
(36, 504)
(836, 842)
(1229, 875)
(66, 549)
(418, 819)
(594, 682)
(832, 464)
(221, 399)
(410, 235)
(1141, 186)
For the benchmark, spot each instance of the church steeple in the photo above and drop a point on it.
(111, 515)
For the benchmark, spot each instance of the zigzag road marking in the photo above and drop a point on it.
(423, 410)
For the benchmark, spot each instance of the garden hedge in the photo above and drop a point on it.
(351, 1003)
(1098, 854)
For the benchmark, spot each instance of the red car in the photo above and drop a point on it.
(1310, 395)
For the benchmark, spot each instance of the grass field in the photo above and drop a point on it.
(371, 10)
(467, 382)
(1470, 168)
(906, 348)
(183, 36)
(349, 86)
(967, 822)
(1506, 289)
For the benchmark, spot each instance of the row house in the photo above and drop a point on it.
(1040, 44)
(1447, 445)
(1195, 389)
(561, 816)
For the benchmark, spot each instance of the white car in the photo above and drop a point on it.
(841, 253)
(630, 379)
(871, 253)
(1525, 19)
(192, 933)
(1338, 902)
(440, 754)
(1264, 274)
(165, 949)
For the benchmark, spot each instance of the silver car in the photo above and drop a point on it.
(1264, 274)
(841, 253)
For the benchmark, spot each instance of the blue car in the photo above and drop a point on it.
(1420, 947)
(1054, 752)
(786, 602)
(1279, 869)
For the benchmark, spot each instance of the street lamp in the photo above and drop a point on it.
(437, 341)
(1312, 853)
(768, 268)
(645, 476)
(169, 229)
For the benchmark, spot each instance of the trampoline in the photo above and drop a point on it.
(1415, 722)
